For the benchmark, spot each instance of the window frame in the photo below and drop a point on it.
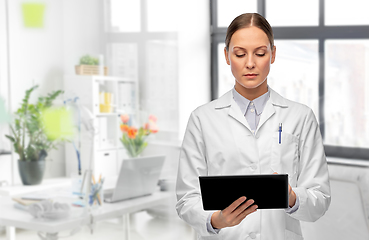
(321, 33)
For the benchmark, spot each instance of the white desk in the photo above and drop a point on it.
(14, 218)
(47, 184)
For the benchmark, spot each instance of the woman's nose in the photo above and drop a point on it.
(250, 63)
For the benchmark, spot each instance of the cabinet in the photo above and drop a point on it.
(107, 151)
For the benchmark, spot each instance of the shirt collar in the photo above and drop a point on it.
(243, 102)
(226, 100)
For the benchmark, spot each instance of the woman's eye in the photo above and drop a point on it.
(240, 55)
(260, 54)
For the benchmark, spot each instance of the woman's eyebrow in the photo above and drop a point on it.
(237, 47)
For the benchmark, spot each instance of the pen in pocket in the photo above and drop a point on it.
(280, 133)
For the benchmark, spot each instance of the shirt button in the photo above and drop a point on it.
(251, 103)
(252, 235)
(252, 110)
(253, 167)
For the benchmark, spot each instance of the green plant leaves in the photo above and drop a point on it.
(28, 131)
(88, 60)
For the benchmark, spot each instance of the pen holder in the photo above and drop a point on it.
(96, 197)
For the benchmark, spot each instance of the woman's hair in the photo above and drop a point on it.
(247, 20)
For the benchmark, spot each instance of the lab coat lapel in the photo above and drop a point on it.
(275, 101)
(234, 110)
(267, 113)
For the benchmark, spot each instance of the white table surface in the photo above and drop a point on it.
(10, 216)
(47, 184)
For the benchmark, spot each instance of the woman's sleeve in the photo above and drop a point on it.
(192, 164)
(313, 187)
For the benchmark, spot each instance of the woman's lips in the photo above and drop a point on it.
(251, 75)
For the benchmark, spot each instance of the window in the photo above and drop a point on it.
(303, 13)
(227, 11)
(342, 12)
(328, 56)
(347, 93)
(141, 44)
(300, 59)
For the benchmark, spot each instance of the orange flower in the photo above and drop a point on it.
(132, 132)
(124, 118)
(124, 127)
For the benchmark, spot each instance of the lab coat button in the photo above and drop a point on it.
(252, 235)
(252, 110)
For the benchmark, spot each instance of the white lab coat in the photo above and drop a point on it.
(218, 141)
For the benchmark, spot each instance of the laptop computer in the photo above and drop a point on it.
(137, 177)
(269, 191)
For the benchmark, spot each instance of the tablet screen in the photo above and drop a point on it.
(269, 191)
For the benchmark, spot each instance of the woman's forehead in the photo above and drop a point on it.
(250, 37)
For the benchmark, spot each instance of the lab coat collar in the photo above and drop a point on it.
(227, 99)
(276, 99)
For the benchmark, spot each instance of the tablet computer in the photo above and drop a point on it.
(269, 191)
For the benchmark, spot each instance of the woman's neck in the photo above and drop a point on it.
(252, 93)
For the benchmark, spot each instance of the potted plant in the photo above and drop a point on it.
(89, 66)
(29, 139)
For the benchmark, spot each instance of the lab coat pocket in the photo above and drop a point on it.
(284, 155)
(292, 236)
(212, 237)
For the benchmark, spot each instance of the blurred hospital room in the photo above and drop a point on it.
(95, 97)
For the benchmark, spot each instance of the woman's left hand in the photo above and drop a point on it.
(291, 195)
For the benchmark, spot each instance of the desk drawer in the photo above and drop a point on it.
(106, 163)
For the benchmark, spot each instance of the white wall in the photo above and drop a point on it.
(43, 55)
(82, 25)
(194, 58)
(5, 160)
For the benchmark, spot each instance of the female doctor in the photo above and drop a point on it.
(238, 134)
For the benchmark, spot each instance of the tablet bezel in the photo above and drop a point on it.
(269, 191)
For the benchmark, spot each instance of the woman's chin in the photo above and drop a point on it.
(251, 84)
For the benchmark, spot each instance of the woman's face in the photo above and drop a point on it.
(250, 56)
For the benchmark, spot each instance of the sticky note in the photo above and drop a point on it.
(58, 123)
(33, 15)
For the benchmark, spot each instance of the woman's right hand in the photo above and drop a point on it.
(233, 214)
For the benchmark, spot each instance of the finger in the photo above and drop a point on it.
(245, 213)
(234, 205)
(275, 173)
(243, 207)
(289, 190)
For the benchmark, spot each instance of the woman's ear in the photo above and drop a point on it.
(226, 56)
(273, 54)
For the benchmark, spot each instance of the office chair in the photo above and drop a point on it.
(347, 216)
